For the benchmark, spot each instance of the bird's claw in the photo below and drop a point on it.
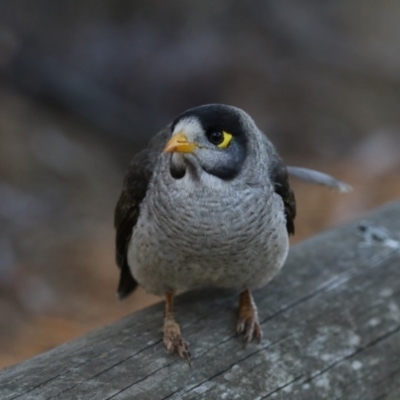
(248, 323)
(174, 342)
(249, 326)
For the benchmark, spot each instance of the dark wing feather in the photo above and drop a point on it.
(127, 210)
(280, 180)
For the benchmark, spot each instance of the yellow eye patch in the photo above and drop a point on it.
(227, 139)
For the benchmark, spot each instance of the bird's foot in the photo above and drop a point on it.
(173, 340)
(248, 323)
(249, 326)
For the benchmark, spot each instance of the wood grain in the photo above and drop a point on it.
(331, 325)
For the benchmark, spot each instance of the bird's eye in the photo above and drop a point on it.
(215, 137)
(220, 139)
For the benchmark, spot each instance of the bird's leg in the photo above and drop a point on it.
(248, 323)
(173, 340)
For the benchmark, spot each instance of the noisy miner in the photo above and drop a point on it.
(207, 203)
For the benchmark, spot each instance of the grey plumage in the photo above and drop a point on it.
(319, 178)
(127, 210)
(200, 229)
(227, 236)
(207, 203)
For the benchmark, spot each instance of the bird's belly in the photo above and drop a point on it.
(240, 249)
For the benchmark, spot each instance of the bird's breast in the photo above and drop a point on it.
(212, 219)
(186, 239)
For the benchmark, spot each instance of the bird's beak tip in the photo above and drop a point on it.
(180, 144)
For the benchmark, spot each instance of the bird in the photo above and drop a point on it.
(207, 204)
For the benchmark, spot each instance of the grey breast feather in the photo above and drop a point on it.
(127, 210)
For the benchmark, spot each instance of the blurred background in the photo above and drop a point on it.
(84, 84)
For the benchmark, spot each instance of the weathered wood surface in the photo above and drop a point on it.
(331, 323)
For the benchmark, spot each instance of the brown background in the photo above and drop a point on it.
(83, 85)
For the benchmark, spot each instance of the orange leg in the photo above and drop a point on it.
(173, 339)
(248, 323)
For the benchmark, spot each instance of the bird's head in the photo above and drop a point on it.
(213, 137)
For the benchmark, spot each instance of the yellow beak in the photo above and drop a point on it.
(179, 143)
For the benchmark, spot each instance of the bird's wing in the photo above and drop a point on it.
(279, 178)
(278, 174)
(127, 210)
(319, 178)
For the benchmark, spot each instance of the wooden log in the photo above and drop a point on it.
(331, 324)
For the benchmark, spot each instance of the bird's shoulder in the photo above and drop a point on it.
(127, 210)
(138, 177)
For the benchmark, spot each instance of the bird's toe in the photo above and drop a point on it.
(249, 327)
(175, 343)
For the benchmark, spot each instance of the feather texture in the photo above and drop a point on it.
(127, 210)
(319, 178)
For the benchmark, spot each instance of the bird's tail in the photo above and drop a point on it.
(319, 178)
